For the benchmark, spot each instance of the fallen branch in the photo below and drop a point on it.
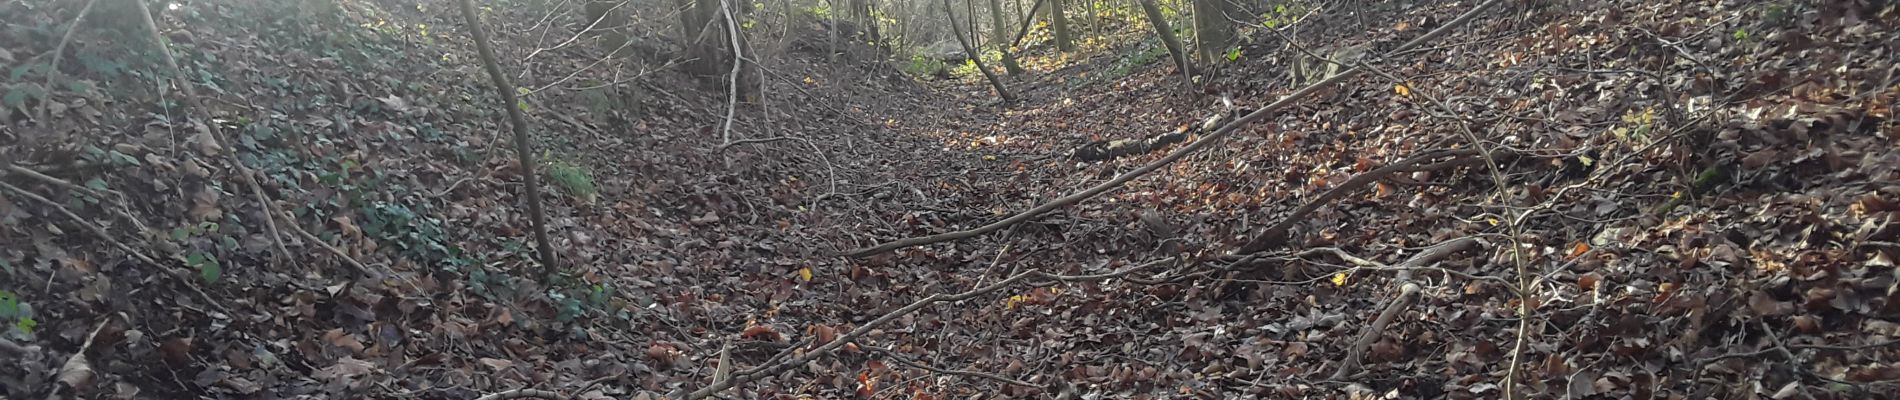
(1407, 292)
(1205, 142)
(523, 393)
(1276, 235)
(892, 355)
(118, 198)
(783, 365)
(101, 232)
(216, 132)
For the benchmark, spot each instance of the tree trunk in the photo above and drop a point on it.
(951, 12)
(996, 29)
(1162, 29)
(1213, 31)
(697, 35)
(1061, 23)
(530, 187)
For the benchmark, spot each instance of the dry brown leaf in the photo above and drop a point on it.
(76, 373)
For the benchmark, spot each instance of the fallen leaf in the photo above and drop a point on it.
(76, 373)
(496, 363)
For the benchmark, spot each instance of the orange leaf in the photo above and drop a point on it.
(1578, 250)
(1381, 190)
(1362, 164)
(867, 384)
(1588, 282)
(823, 334)
(1402, 26)
(761, 332)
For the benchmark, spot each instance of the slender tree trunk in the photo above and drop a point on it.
(1095, 19)
(1029, 20)
(951, 12)
(1160, 23)
(530, 184)
(996, 29)
(1061, 23)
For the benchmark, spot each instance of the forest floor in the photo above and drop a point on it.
(1667, 199)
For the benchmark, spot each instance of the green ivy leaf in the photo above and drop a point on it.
(26, 325)
(211, 271)
(96, 184)
(1233, 54)
(14, 98)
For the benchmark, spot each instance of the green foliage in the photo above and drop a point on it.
(17, 315)
(1233, 54)
(1640, 123)
(1149, 53)
(414, 234)
(967, 68)
(573, 179)
(819, 11)
(1282, 14)
(207, 266)
(925, 66)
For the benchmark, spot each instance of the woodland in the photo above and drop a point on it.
(949, 199)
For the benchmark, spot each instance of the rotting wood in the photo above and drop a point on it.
(1177, 155)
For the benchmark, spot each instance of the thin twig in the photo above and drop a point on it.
(101, 232)
(892, 355)
(78, 359)
(216, 132)
(1407, 292)
(52, 70)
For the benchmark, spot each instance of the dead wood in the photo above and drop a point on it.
(1408, 291)
(1276, 235)
(1209, 141)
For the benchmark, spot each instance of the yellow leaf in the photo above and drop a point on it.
(805, 273)
(1493, 221)
(1402, 90)
(1339, 279)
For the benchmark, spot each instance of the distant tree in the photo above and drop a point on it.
(1213, 28)
(1002, 46)
(1061, 24)
(1160, 24)
(969, 49)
